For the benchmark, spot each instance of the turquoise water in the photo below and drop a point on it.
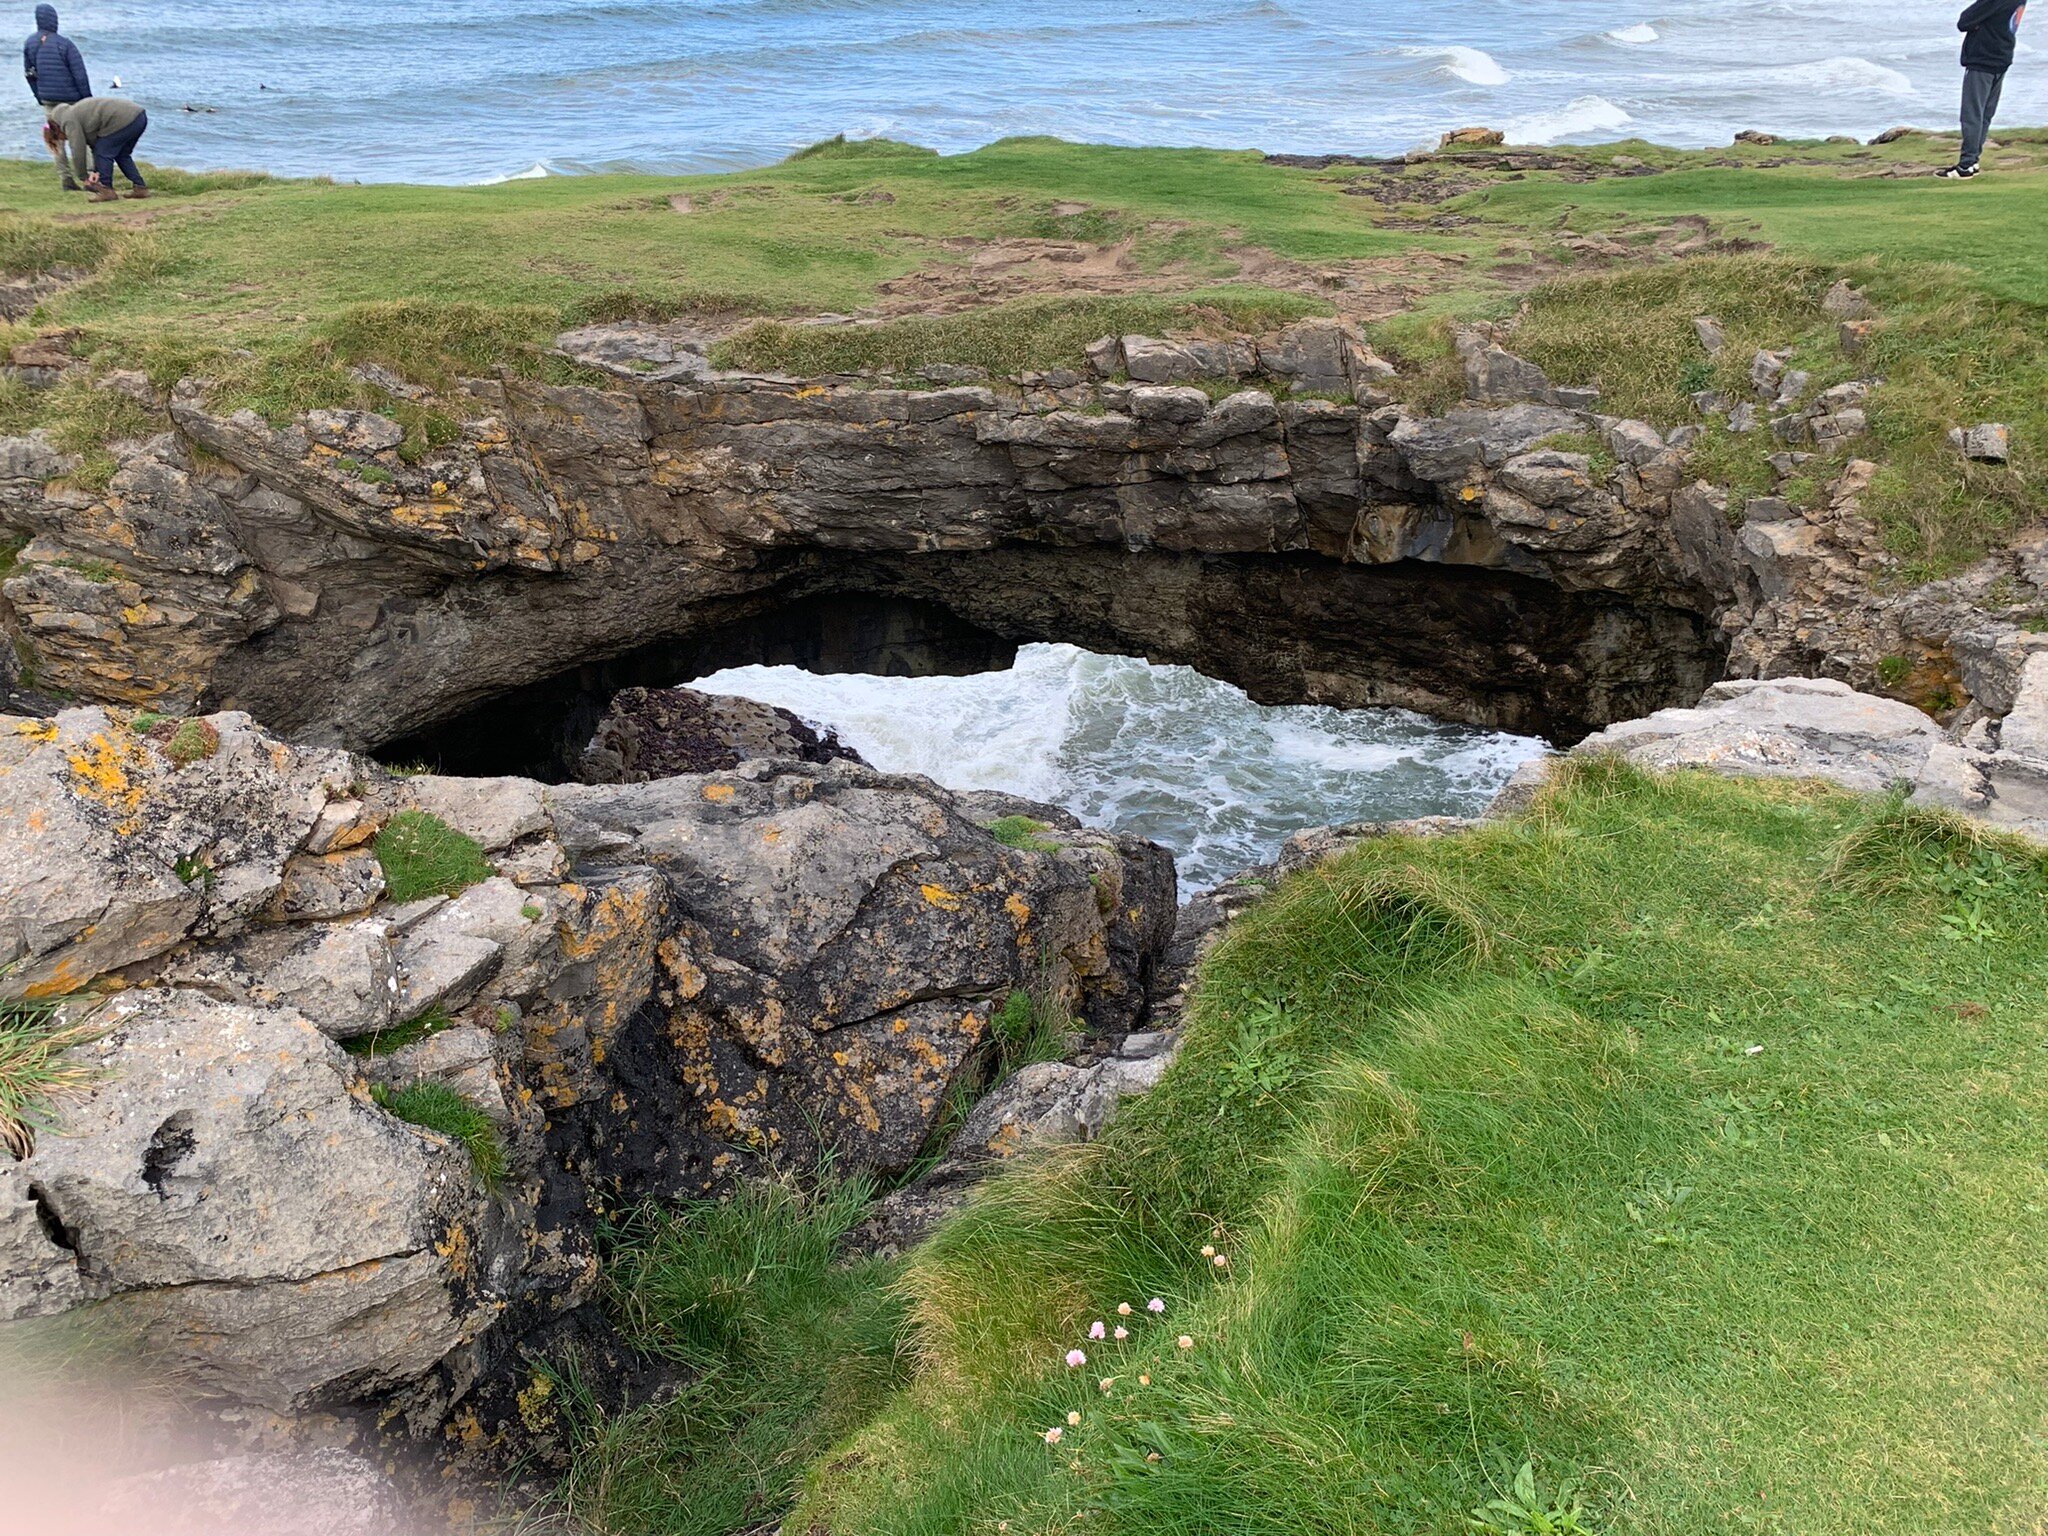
(472, 90)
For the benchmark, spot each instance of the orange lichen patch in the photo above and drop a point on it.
(1470, 493)
(36, 730)
(455, 1248)
(105, 772)
(689, 977)
(64, 979)
(718, 794)
(1018, 908)
(771, 834)
(940, 897)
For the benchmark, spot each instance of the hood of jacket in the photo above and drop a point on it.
(46, 18)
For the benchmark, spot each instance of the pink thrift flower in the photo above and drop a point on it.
(1208, 1250)
(1096, 1330)
(1155, 1305)
(1075, 1358)
(1123, 1309)
(1221, 1261)
(1054, 1435)
(1074, 1420)
(1122, 1333)
(1185, 1342)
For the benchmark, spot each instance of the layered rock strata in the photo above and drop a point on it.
(1344, 550)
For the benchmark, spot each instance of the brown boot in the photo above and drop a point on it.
(105, 195)
(138, 193)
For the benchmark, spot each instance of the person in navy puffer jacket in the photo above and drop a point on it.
(56, 73)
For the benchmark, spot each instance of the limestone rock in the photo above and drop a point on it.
(1787, 728)
(497, 812)
(656, 733)
(1495, 376)
(225, 1185)
(1987, 443)
(111, 851)
(1482, 138)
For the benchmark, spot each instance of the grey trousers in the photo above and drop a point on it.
(1981, 90)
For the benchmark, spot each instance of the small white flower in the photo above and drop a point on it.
(1208, 1250)
(1054, 1435)
(1074, 1420)
(1221, 1261)
(1122, 1333)
(1123, 1309)
(1185, 1342)
(1155, 1305)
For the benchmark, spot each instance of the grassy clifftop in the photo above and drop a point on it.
(1016, 255)
(1680, 1141)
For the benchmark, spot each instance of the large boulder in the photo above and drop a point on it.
(657, 733)
(227, 1187)
(848, 935)
(1788, 728)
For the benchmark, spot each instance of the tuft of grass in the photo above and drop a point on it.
(1024, 833)
(191, 741)
(1572, 1144)
(786, 1347)
(31, 247)
(438, 1108)
(1027, 1029)
(421, 855)
(36, 1073)
(388, 1042)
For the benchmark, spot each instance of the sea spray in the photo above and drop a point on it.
(1163, 752)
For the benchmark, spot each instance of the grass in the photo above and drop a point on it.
(1679, 1141)
(36, 1073)
(421, 856)
(1027, 834)
(278, 291)
(437, 1107)
(388, 1042)
(785, 1348)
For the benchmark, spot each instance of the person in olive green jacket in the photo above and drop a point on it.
(101, 132)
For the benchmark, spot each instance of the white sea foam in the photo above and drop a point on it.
(1159, 751)
(1641, 32)
(1474, 66)
(1576, 118)
(535, 172)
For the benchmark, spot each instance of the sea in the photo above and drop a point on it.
(1163, 752)
(483, 91)
(477, 90)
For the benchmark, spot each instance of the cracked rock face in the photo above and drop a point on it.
(663, 986)
(311, 576)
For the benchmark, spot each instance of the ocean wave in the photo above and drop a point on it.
(1642, 32)
(1474, 66)
(1162, 752)
(1838, 74)
(1582, 115)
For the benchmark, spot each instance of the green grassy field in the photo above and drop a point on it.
(1681, 1140)
(274, 290)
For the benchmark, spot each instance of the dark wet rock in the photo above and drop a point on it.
(656, 733)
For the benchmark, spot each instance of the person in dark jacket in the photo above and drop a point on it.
(1991, 33)
(101, 132)
(56, 74)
